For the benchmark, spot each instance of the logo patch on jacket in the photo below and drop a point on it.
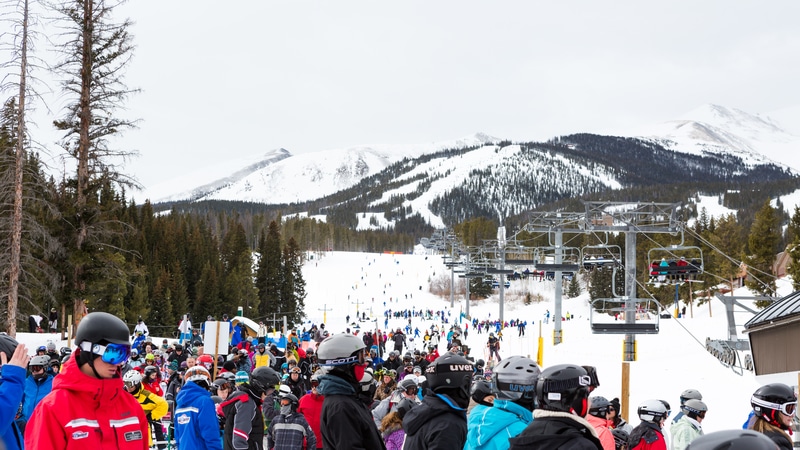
(183, 419)
(133, 436)
(80, 435)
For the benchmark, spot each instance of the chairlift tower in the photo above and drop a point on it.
(631, 219)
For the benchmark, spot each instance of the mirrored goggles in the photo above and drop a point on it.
(109, 353)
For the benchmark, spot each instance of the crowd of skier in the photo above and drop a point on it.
(342, 390)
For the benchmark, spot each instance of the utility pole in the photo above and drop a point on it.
(357, 302)
(325, 310)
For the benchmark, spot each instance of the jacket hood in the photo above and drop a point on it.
(333, 385)
(433, 405)
(99, 390)
(496, 419)
(189, 394)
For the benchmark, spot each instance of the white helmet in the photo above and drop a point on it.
(132, 378)
(199, 375)
(652, 411)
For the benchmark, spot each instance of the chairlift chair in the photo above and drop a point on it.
(674, 264)
(607, 316)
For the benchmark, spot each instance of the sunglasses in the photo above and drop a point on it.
(110, 353)
(37, 369)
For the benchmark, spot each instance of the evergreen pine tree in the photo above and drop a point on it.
(763, 240)
(793, 268)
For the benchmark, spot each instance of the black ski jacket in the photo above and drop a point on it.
(438, 423)
(345, 421)
(552, 430)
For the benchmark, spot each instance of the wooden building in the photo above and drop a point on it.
(774, 336)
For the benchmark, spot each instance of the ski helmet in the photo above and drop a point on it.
(199, 375)
(453, 374)
(480, 390)
(102, 328)
(690, 393)
(407, 383)
(732, 440)
(565, 388)
(598, 406)
(206, 361)
(40, 360)
(341, 349)
(514, 378)
(652, 411)
(403, 406)
(263, 379)
(770, 399)
(695, 408)
(620, 438)
(7, 344)
(150, 370)
(132, 378)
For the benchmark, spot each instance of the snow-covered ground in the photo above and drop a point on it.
(341, 283)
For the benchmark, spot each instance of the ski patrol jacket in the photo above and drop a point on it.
(491, 428)
(555, 430)
(196, 425)
(35, 391)
(346, 422)
(12, 379)
(244, 422)
(83, 412)
(438, 423)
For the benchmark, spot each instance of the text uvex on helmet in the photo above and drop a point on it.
(695, 408)
(199, 375)
(565, 388)
(340, 349)
(652, 411)
(264, 378)
(598, 406)
(770, 399)
(451, 373)
(732, 440)
(480, 390)
(514, 378)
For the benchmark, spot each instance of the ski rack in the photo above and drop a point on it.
(733, 352)
(617, 312)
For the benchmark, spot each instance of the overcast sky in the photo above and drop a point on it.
(221, 79)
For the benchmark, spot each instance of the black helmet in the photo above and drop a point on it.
(264, 378)
(770, 399)
(565, 388)
(8, 344)
(652, 411)
(480, 390)
(480, 363)
(403, 406)
(514, 378)
(406, 383)
(598, 406)
(101, 328)
(451, 372)
(291, 397)
(732, 440)
(620, 437)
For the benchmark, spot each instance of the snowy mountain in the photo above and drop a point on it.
(280, 177)
(720, 130)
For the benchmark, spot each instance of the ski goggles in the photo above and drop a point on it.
(788, 408)
(109, 353)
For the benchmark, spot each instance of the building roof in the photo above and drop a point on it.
(784, 308)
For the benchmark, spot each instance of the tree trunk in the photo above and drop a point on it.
(16, 225)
